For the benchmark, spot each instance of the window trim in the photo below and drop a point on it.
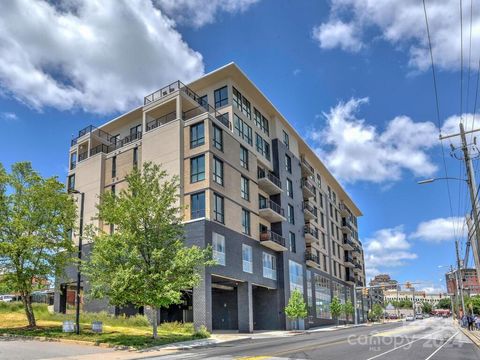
(199, 211)
(222, 101)
(218, 178)
(218, 216)
(198, 141)
(197, 174)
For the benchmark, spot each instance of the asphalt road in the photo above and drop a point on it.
(429, 339)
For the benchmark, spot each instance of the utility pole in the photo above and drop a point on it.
(459, 278)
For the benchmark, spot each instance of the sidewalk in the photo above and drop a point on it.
(474, 336)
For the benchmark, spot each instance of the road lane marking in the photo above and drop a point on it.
(445, 343)
(304, 348)
(401, 346)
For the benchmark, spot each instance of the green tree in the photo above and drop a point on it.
(144, 261)
(406, 304)
(348, 309)
(36, 216)
(377, 312)
(426, 307)
(473, 303)
(336, 308)
(444, 303)
(296, 308)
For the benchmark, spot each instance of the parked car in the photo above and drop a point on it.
(419, 316)
(409, 318)
(6, 298)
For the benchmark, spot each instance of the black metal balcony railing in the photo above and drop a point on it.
(98, 149)
(269, 235)
(162, 120)
(270, 204)
(163, 92)
(348, 259)
(126, 140)
(312, 230)
(306, 164)
(312, 257)
(347, 224)
(82, 156)
(307, 184)
(309, 207)
(262, 173)
(348, 241)
(92, 129)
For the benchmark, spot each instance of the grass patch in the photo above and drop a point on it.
(134, 331)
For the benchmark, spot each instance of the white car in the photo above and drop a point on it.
(409, 318)
(6, 298)
(419, 316)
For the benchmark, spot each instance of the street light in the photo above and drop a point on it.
(428, 181)
(80, 236)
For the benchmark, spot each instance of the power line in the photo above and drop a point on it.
(469, 56)
(461, 61)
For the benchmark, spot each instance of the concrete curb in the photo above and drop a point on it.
(473, 337)
(67, 341)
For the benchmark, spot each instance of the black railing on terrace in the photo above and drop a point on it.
(201, 109)
(310, 208)
(312, 257)
(162, 120)
(82, 156)
(307, 184)
(98, 149)
(348, 259)
(92, 129)
(270, 204)
(161, 93)
(306, 164)
(269, 235)
(312, 230)
(262, 173)
(126, 140)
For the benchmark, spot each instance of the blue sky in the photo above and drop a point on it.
(353, 76)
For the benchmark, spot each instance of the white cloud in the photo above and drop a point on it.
(8, 116)
(432, 289)
(98, 55)
(438, 230)
(402, 24)
(356, 151)
(198, 12)
(337, 34)
(387, 248)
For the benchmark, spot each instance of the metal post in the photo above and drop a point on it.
(355, 321)
(80, 238)
(459, 278)
(398, 309)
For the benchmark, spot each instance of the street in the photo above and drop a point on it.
(429, 339)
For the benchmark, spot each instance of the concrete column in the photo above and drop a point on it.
(245, 307)
(202, 303)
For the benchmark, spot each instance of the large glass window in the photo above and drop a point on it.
(247, 258)
(309, 290)
(73, 160)
(237, 99)
(221, 97)
(288, 163)
(263, 147)
(242, 103)
(296, 276)
(218, 247)
(71, 183)
(246, 109)
(197, 135)
(217, 137)
(197, 168)
(245, 188)
(290, 214)
(292, 244)
(289, 188)
(197, 205)
(261, 121)
(203, 100)
(322, 297)
(286, 139)
(246, 221)
(243, 157)
(218, 208)
(217, 171)
(269, 266)
(242, 129)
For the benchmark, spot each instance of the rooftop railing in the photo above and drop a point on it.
(163, 92)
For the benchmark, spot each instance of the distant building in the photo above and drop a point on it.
(384, 280)
(469, 281)
(420, 297)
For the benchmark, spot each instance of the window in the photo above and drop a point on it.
(323, 296)
(221, 97)
(136, 129)
(203, 100)
(135, 157)
(324, 245)
(246, 221)
(197, 135)
(289, 188)
(322, 220)
(325, 262)
(334, 266)
(218, 171)
(321, 200)
(263, 147)
(261, 121)
(309, 289)
(237, 99)
(197, 205)
(242, 129)
(290, 215)
(247, 258)
(288, 163)
(197, 168)
(115, 139)
(246, 108)
(269, 266)
(243, 157)
(71, 183)
(333, 249)
(217, 137)
(296, 276)
(114, 166)
(218, 247)
(73, 160)
(245, 188)
(242, 103)
(218, 208)
(286, 140)
(292, 245)
(319, 180)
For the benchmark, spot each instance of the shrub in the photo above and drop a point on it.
(201, 333)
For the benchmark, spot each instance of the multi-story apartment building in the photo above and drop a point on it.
(275, 216)
(469, 281)
(390, 296)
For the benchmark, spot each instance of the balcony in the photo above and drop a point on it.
(312, 260)
(348, 260)
(358, 268)
(163, 92)
(309, 211)
(357, 249)
(98, 133)
(308, 188)
(307, 169)
(346, 226)
(310, 232)
(102, 148)
(268, 182)
(271, 211)
(82, 156)
(344, 210)
(350, 278)
(272, 240)
(348, 244)
(162, 120)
